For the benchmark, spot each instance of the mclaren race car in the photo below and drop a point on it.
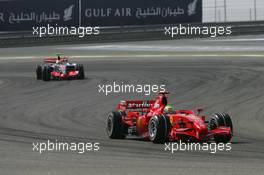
(59, 68)
(152, 120)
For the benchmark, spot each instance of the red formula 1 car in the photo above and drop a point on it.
(59, 69)
(150, 120)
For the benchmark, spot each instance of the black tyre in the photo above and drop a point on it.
(39, 72)
(158, 128)
(115, 128)
(221, 119)
(81, 74)
(46, 74)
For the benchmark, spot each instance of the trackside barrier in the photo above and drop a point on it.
(121, 33)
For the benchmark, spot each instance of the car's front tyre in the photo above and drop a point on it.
(46, 74)
(81, 74)
(158, 128)
(221, 119)
(39, 72)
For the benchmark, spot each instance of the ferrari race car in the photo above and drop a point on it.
(59, 69)
(148, 119)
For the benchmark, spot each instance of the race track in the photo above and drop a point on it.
(229, 80)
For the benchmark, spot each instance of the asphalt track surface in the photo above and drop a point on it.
(74, 111)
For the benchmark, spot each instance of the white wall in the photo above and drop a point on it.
(237, 10)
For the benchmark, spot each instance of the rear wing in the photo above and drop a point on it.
(135, 104)
(54, 60)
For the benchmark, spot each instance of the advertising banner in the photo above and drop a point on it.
(25, 14)
(140, 12)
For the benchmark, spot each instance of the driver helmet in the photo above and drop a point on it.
(168, 109)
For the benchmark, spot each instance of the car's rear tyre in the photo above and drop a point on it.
(221, 119)
(81, 74)
(39, 72)
(115, 128)
(46, 74)
(158, 128)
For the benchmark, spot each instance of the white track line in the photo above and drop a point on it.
(138, 56)
(236, 39)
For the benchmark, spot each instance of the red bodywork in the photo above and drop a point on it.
(184, 124)
(59, 66)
